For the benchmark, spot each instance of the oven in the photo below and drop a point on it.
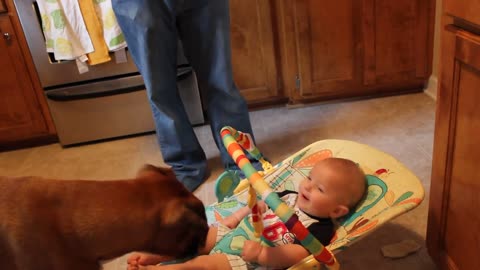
(107, 101)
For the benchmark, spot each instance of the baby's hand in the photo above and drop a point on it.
(262, 206)
(251, 250)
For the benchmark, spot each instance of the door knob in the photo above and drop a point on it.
(7, 36)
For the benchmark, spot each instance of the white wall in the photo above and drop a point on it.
(431, 88)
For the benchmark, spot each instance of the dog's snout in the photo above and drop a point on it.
(198, 226)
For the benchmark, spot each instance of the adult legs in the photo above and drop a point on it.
(150, 30)
(204, 28)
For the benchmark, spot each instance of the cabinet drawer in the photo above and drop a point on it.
(3, 7)
(467, 47)
(467, 10)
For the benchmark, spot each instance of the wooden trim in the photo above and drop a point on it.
(423, 42)
(450, 146)
(267, 39)
(431, 36)
(466, 10)
(450, 263)
(303, 49)
(26, 143)
(31, 68)
(468, 48)
(287, 48)
(368, 30)
(442, 136)
(370, 92)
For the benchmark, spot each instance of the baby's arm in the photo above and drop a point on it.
(235, 218)
(277, 257)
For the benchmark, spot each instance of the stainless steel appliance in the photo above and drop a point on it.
(107, 101)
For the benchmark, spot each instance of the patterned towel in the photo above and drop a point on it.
(111, 30)
(95, 30)
(66, 35)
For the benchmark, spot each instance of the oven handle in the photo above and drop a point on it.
(107, 88)
(70, 95)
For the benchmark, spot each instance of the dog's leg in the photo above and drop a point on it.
(54, 261)
(46, 252)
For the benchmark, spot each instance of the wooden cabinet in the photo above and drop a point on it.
(397, 43)
(282, 51)
(352, 48)
(328, 39)
(22, 117)
(254, 50)
(308, 50)
(453, 222)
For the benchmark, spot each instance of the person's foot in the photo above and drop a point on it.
(137, 260)
(192, 179)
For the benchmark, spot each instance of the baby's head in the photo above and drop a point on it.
(333, 188)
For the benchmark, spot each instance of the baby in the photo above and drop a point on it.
(333, 188)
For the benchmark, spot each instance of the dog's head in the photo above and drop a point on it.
(182, 225)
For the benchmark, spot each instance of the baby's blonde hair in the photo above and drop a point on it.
(354, 177)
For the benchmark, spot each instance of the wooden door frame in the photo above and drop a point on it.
(455, 43)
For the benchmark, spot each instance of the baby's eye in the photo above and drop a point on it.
(309, 178)
(320, 189)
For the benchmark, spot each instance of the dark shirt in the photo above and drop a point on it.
(322, 229)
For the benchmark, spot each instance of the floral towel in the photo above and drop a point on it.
(65, 30)
(111, 30)
(66, 35)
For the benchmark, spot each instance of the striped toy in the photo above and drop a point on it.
(235, 141)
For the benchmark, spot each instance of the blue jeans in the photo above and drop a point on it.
(151, 29)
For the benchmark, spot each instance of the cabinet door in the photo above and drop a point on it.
(20, 113)
(353, 48)
(253, 50)
(397, 39)
(328, 45)
(453, 223)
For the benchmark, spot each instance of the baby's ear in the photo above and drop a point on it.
(339, 211)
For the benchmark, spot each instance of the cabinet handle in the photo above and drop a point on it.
(7, 36)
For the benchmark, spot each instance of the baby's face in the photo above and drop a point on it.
(318, 194)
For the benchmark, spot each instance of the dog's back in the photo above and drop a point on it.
(71, 224)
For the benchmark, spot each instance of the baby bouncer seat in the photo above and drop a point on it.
(392, 190)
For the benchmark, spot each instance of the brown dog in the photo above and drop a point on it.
(70, 225)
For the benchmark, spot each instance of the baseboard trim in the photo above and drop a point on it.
(431, 89)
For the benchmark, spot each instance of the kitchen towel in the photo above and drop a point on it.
(111, 30)
(95, 30)
(66, 35)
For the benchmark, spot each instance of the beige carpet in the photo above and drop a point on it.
(401, 126)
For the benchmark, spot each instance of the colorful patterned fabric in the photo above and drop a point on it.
(392, 188)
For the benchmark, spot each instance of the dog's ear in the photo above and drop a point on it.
(179, 211)
(148, 169)
(183, 226)
(193, 225)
